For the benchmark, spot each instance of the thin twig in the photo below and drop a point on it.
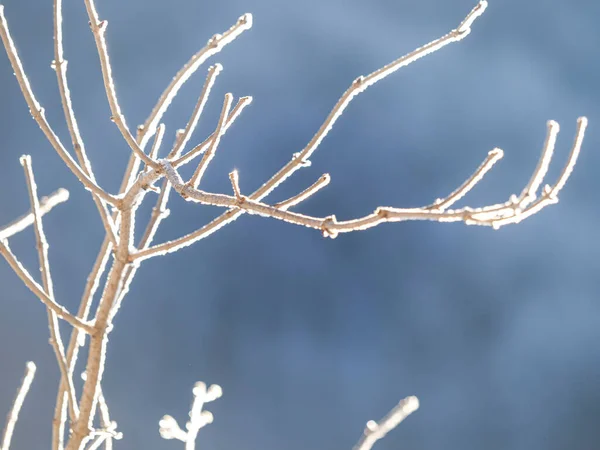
(158, 137)
(306, 193)
(60, 66)
(42, 246)
(37, 113)
(186, 134)
(200, 148)
(214, 46)
(493, 157)
(301, 159)
(375, 431)
(210, 153)
(39, 291)
(98, 29)
(13, 415)
(46, 205)
(359, 85)
(235, 184)
(493, 216)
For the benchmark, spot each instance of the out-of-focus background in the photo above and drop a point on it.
(498, 333)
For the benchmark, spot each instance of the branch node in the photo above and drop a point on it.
(213, 42)
(330, 220)
(303, 162)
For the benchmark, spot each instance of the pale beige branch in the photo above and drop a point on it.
(306, 193)
(46, 205)
(186, 134)
(214, 46)
(359, 85)
(302, 158)
(55, 337)
(39, 291)
(60, 66)
(495, 216)
(493, 157)
(210, 153)
(99, 29)
(13, 415)
(582, 123)
(37, 113)
(78, 337)
(158, 138)
(200, 148)
(377, 430)
(235, 184)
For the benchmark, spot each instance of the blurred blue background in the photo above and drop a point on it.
(498, 333)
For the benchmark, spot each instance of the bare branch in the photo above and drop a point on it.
(185, 136)
(582, 123)
(46, 205)
(210, 153)
(158, 137)
(77, 336)
(13, 415)
(39, 291)
(375, 431)
(493, 157)
(200, 148)
(306, 193)
(98, 29)
(60, 66)
(494, 216)
(302, 159)
(37, 113)
(214, 46)
(359, 85)
(42, 247)
(235, 184)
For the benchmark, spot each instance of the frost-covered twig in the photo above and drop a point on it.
(46, 205)
(199, 418)
(377, 430)
(42, 246)
(13, 415)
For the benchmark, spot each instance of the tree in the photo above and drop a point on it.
(121, 254)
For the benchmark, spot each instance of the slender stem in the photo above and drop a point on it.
(42, 246)
(39, 291)
(37, 113)
(214, 46)
(185, 136)
(99, 29)
(13, 415)
(301, 159)
(375, 431)
(306, 193)
(210, 153)
(46, 205)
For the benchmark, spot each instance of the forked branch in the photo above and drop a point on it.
(512, 211)
(199, 418)
(46, 205)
